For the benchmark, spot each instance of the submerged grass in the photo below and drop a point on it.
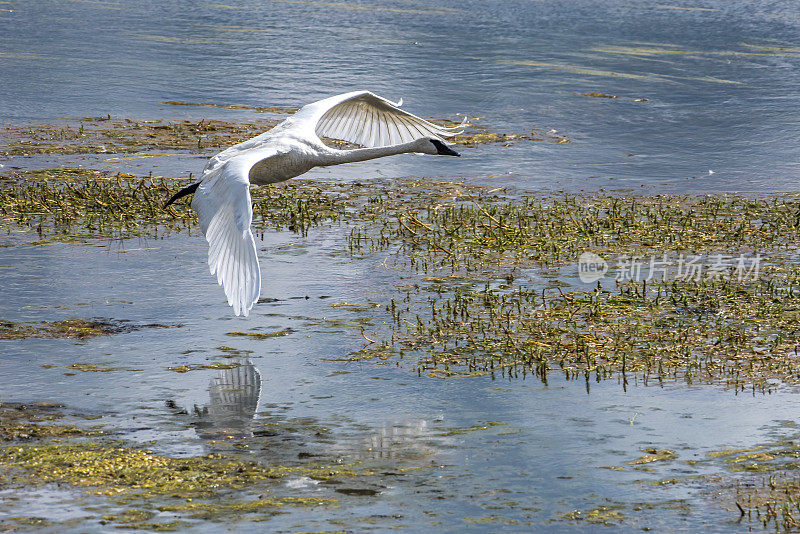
(25, 422)
(128, 486)
(107, 135)
(490, 283)
(74, 328)
(65, 204)
(758, 486)
(740, 334)
(198, 487)
(488, 311)
(125, 485)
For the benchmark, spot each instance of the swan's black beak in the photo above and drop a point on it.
(443, 149)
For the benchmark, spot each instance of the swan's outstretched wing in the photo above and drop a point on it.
(222, 203)
(366, 119)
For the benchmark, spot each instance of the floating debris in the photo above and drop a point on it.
(198, 367)
(597, 95)
(601, 515)
(262, 335)
(91, 368)
(654, 455)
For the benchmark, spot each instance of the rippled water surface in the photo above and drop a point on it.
(721, 78)
(720, 81)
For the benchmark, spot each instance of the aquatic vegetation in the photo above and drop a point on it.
(197, 488)
(119, 469)
(206, 510)
(107, 135)
(24, 422)
(597, 95)
(758, 486)
(127, 486)
(592, 71)
(258, 109)
(356, 306)
(473, 233)
(492, 520)
(148, 138)
(198, 367)
(463, 430)
(482, 316)
(56, 205)
(772, 501)
(712, 331)
(261, 335)
(469, 306)
(166, 526)
(482, 137)
(601, 515)
(74, 328)
(91, 368)
(654, 455)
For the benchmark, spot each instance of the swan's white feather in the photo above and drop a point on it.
(222, 202)
(366, 119)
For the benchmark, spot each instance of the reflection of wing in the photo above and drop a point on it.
(233, 400)
(399, 439)
(366, 119)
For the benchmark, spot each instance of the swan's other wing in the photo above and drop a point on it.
(222, 203)
(367, 119)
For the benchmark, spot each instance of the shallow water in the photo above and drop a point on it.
(543, 459)
(721, 89)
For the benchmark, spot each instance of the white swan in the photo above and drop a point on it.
(222, 197)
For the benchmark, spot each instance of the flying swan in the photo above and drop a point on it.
(293, 147)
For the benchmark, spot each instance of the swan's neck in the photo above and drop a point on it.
(335, 157)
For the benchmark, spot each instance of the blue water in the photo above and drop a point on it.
(544, 459)
(725, 102)
(721, 88)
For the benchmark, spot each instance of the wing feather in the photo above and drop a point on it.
(394, 131)
(364, 118)
(412, 126)
(349, 129)
(403, 127)
(222, 202)
(341, 120)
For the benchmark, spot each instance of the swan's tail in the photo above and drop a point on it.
(182, 193)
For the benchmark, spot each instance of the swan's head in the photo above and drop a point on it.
(434, 146)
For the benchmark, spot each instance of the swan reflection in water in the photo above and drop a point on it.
(233, 397)
(404, 439)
